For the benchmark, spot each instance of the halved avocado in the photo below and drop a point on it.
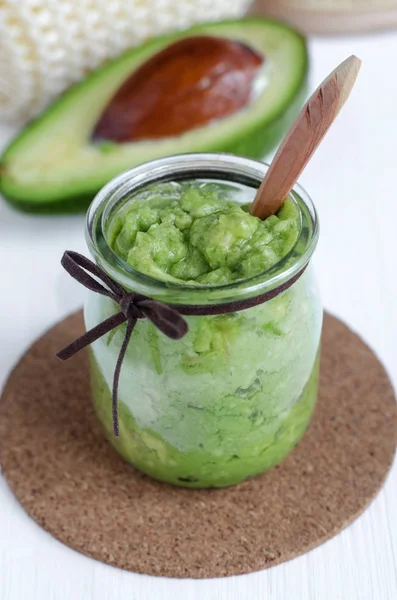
(57, 163)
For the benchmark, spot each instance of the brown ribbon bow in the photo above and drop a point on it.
(133, 306)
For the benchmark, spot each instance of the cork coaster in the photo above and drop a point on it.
(71, 481)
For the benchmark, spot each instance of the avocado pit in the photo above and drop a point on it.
(186, 85)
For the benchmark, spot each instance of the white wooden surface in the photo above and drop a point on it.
(352, 180)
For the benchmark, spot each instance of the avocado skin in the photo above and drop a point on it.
(256, 143)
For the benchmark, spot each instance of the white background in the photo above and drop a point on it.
(352, 180)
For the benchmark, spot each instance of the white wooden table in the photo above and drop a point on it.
(352, 180)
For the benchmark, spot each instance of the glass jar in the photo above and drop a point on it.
(234, 396)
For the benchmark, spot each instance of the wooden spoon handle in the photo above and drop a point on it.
(305, 135)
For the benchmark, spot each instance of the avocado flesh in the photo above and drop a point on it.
(53, 164)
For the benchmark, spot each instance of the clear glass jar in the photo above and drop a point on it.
(233, 397)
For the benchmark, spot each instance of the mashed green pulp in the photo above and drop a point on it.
(193, 232)
(234, 396)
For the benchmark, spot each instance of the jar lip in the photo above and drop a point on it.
(219, 166)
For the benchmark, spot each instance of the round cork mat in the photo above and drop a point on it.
(71, 481)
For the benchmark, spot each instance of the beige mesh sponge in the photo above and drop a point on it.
(46, 45)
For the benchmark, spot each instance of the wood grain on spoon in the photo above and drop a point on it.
(304, 137)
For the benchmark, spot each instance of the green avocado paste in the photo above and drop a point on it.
(234, 396)
(193, 232)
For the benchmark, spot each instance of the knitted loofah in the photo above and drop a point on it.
(46, 45)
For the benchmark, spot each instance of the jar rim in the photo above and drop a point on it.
(215, 166)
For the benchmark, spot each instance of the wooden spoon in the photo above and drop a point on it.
(304, 137)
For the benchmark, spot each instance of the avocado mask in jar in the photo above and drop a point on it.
(234, 396)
